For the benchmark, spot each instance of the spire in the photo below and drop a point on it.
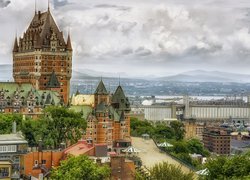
(35, 6)
(15, 49)
(119, 100)
(53, 81)
(77, 92)
(101, 89)
(48, 6)
(69, 47)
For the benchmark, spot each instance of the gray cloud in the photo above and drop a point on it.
(59, 3)
(4, 3)
(123, 8)
(146, 37)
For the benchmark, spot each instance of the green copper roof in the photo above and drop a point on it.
(25, 92)
(102, 107)
(53, 81)
(101, 89)
(119, 100)
(85, 110)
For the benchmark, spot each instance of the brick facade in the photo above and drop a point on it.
(217, 140)
(110, 118)
(41, 51)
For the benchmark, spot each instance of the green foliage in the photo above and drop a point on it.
(195, 146)
(159, 131)
(6, 121)
(222, 167)
(31, 130)
(163, 131)
(185, 157)
(180, 147)
(173, 134)
(165, 171)
(80, 167)
(61, 125)
(140, 127)
(57, 125)
(178, 128)
(139, 176)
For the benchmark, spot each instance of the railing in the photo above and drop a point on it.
(177, 159)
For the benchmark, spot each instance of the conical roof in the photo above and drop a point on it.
(15, 49)
(101, 89)
(53, 81)
(69, 46)
(119, 100)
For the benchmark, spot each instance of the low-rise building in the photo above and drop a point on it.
(13, 147)
(217, 140)
(39, 163)
(193, 129)
(5, 170)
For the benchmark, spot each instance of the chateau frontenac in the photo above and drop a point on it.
(42, 57)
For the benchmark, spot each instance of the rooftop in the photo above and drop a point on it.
(12, 139)
(81, 147)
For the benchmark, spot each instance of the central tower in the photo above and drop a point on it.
(42, 57)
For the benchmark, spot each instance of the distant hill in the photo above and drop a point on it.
(78, 75)
(207, 76)
(190, 76)
(6, 73)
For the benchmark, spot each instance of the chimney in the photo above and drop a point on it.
(14, 127)
(40, 145)
(39, 14)
(63, 145)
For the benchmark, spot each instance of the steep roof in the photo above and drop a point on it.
(102, 107)
(69, 46)
(15, 49)
(101, 89)
(53, 81)
(25, 92)
(40, 31)
(119, 100)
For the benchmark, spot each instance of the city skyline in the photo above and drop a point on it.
(142, 38)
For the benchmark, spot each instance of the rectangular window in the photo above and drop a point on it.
(43, 161)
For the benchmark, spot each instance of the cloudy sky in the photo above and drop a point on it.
(142, 37)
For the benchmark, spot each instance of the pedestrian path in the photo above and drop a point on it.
(151, 155)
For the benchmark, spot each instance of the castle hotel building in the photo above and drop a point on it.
(42, 57)
(109, 121)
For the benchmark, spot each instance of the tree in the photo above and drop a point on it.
(31, 130)
(63, 125)
(162, 130)
(223, 167)
(165, 171)
(140, 127)
(180, 147)
(195, 146)
(57, 125)
(178, 128)
(6, 122)
(80, 167)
